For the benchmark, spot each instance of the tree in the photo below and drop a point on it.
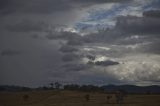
(72, 87)
(57, 85)
(51, 84)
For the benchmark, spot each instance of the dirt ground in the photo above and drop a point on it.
(73, 98)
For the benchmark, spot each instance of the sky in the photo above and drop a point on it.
(96, 42)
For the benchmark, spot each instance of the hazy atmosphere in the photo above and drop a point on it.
(79, 41)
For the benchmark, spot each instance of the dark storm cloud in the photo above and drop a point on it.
(70, 57)
(97, 1)
(3, 4)
(72, 38)
(30, 67)
(104, 63)
(7, 6)
(9, 52)
(148, 24)
(68, 49)
(33, 6)
(60, 58)
(76, 67)
(127, 26)
(75, 42)
(152, 13)
(45, 6)
(91, 57)
(27, 26)
(64, 35)
(35, 36)
(52, 36)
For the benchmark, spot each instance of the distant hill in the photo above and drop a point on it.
(133, 88)
(154, 89)
(13, 88)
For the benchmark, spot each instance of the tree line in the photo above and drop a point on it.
(73, 87)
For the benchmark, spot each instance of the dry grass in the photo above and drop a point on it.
(73, 98)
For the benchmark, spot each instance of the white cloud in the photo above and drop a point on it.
(137, 67)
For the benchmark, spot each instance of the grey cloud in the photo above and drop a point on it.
(70, 57)
(35, 36)
(68, 49)
(138, 25)
(63, 35)
(91, 57)
(45, 6)
(72, 38)
(97, 1)
(59, 58)
(76, 67)
(133, 39)
(96, 77)
(3, 4)
(27, 26)
(35, 59)
(52, 36)
(152, 13)
(7, 6)
(104, 63)
(126, 26)
(152, 48)
(75, 42)
(33, 6)
(9, 52)
(101, 1)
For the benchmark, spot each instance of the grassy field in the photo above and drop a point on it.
(73, 98)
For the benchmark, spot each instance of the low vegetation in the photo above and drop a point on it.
(74, 98)
(80, 95)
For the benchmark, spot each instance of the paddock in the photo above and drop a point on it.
(74, 98)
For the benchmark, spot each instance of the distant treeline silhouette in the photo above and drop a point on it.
(87, 88)
(155, 89)
(14, 88)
